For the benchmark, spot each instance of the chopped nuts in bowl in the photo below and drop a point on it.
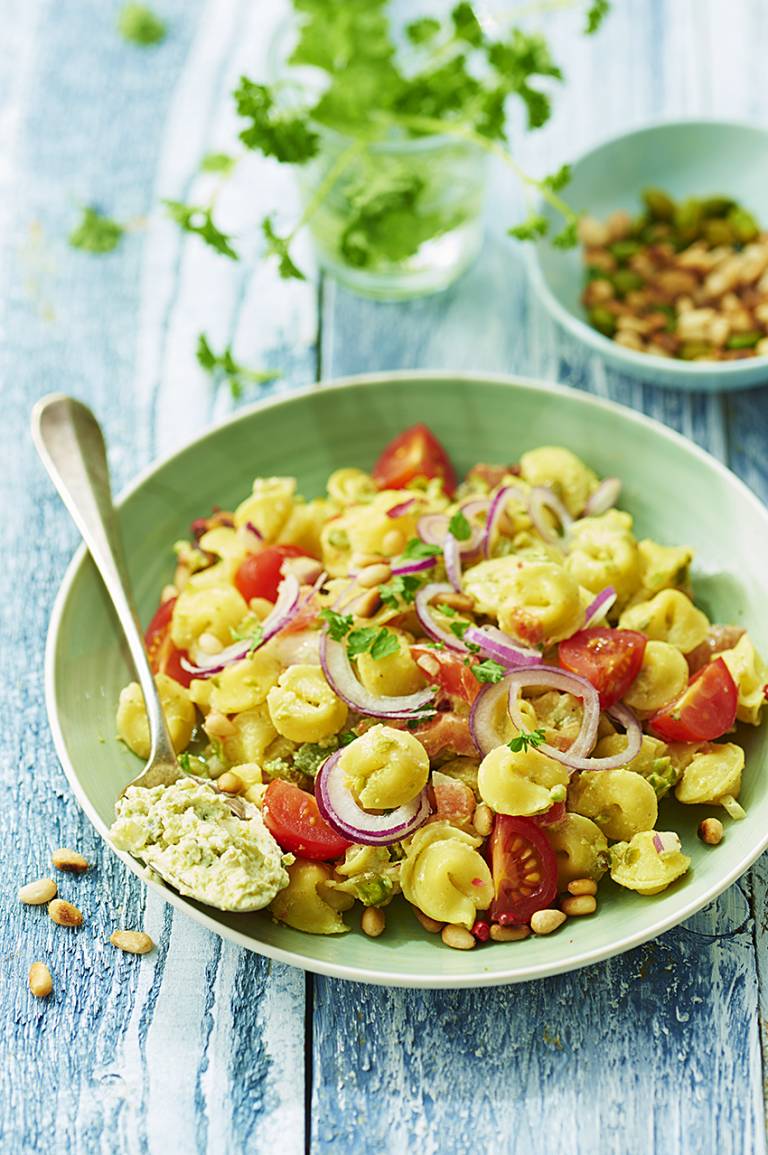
(675, 293)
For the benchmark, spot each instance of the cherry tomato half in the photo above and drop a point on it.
(705, 710)
(524, 869)
(260, 574)
(447, 731)
(609, 659)
(163, 656)
(293, 819)
(447, 671)
(414, 453)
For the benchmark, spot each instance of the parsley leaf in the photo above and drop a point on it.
(384, 644)
(278, 247)
(253, 634)
(225, 367)
(199, 220)
(460, 527)
(416, 549)
(218, 162)
(402, 588)
(525, 739)
(386, 221)
(140, 25)
(558, 180)
(285, 135)
(488, 671)
(466, 25)
(379, 642)
(596, 14)
(184, 762)
(535, 225)
(423, 30)
(568, 237)
(339, 625)
(96, 233)
(346, 737)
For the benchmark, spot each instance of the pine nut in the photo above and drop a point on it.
(430, 924)
(40, 981)
(458, 937)
(579, 904)
(483, 819)
(509, 933)
(711, 831)
(70, 860)
(366, 605)
(393, 542)
(545, 921)
(218, 725)
(373, 575)
(64, 913)
(209, 644)
(230, 783)
(461, 602)
(582, 886)
(373, 921)
(361, 560)
(168, 593)
(37, 892)
(132, 941)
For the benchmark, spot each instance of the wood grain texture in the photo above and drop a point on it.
(198, 1046)
(638, 1054)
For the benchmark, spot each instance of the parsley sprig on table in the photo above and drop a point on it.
(452, 78)
(224, 367)
(96, 233)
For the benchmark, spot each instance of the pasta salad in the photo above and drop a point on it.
(470, 694)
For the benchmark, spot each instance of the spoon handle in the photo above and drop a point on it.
(70, 442)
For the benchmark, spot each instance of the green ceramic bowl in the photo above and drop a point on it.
(677, 494)
(685, 158)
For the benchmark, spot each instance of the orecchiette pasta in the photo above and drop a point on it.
(663, 675)
(253, 733)
(562, 472)
(307, 902)
(393, 674)
(653, 762)
(215, 611)
(443, 874)
(132, 724)
(750, 674)
(269, 506)
(620, 802)
(603, 553)
(385, 767)
(303, 707)
(350, 486)
(670, 617)
(581, 849)
(541, 604)
(662, 567)
(521, 782)
(713, 773)
(244, 684)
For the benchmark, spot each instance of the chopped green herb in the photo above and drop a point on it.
(416, 550)
(284, 135)
(489, 671)
(423, 30)
(339, 625)
(278, 247)
(225, 367)
(184, 762)
(446, 611)
(373, 889)
(198, 219)
(379, 642)
(460, 527)
(402, 589)
(526, 739)
(346, 737)
(535, 225)
(310, 756)
(558, 180)
(218, 162)
(596, 14)
(96, 233)
(253, 634)
(140, 25)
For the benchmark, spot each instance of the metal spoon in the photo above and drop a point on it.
(70, 442)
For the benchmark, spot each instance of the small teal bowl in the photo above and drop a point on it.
(685, 158)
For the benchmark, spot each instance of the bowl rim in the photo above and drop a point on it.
(394, 978)
(576, 325)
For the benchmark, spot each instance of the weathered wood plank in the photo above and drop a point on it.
(199, 1046)
(619, 1057)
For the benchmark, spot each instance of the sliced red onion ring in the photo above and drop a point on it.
(482, 724)
(541, 498)
(339, 808)
(403, 507)
(343, 681)
(418, 565)
(600, 606)
(284, 611)
(498, 645)
(452, 559)
(421, 604)
(665, 841)
(567, 683)
(604, 498)
(433, 528)
(494, 514)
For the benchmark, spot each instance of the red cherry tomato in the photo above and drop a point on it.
(260, 574)
(447, 670)
(609, 659)
(414, 453)
(447, 731)
(292, 817)
(705, 710)
(524, 870)
(163, 656)
(552, 817)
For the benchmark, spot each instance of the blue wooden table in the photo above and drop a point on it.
(202, 1047)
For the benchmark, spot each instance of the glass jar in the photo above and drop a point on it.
(395, 218)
